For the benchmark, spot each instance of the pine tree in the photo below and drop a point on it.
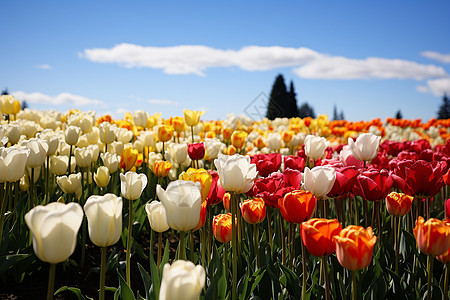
(444, 108)
(399, 115)
(306, 111)
(293, 109)
(5, 92)
(335, 113)
(279, 100)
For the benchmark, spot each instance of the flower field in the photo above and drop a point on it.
(185, 208)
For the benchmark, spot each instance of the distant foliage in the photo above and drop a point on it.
(282, 103)
(305, 110)
(399, 115)
(444, 109)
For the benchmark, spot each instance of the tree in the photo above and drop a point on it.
(279, 100)
(399, 115)
(444, 108)
(5, 92)
(293, 109)
(306, 111)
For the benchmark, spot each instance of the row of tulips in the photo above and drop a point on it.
(290, 207)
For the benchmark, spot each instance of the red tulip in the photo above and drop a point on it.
(373, 185)
(447, 209)
(196, 151)
(266, 164)
(317, 236)
(216, 192)
(345, 179)
(294, 162)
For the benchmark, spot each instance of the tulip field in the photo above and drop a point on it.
(144, 207)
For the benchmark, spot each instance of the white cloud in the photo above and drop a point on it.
(162, 102)
(444, 58)
(422, 89)
(440, 86)
(195, 59)
(339, 67)
(60, 99)
(44, 67)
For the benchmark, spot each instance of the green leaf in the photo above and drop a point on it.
(292, 282)
(76, 291)
(156, 277)
(8, 261)
(146, 279)
(125, 292)
(165, 258)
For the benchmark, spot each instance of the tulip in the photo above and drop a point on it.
(124, 135)
(213, 148)
(236, 173)
(104, 215)
(294, 163)
(182, 201)
(317, 236)
(202, 219)
(196, 151)
(297, 206)
(398, 204)
(165, 133)
(38, 152)
(12, 163)
(319, 180)
(432, 236)
(58, 165)
(192, 117)
(140, 118)
(93, 136)
(274, 141)
(253, 210)
(226, 201)
(182, 280)
(178, 124)
(373, 185)
(156, 214)
(13, 131)
(222, 227)
(54, 228)
(267, 163)
(365, 148)
(315, 146)
(354, 247)
(447, 209)
(177, 153)
(162, 168)
(102, 177)
(107, 133)
(132, 185)
(52, 141)
(238, 139)
(72, 134)
(345, 179)
(111, 161)
(287, 136)
(216, 192)
(199, 175)
(128, 158)
(81, 120)
(348, 159)
(70, 184)
(83, 157)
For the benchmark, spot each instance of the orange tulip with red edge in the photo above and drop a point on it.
(128, 158)
(165, 133)
(297, 206)
(202, 219)
(398, 204)
(444, 258)
(317, 235)
(354, 247)
(287, 136)
(231, 150)
(238, 139)
(222, 227)
(253, 210)
(227, 132)
(226, 201)
(432, 236)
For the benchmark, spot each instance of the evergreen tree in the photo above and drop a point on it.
(335, 113)
(444, 108)
(293, 109)
(279, 100)
(5, 92)
(306, 111)
(341, 116)
(399, 115)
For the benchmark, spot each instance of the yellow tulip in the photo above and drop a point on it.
(192, 117)
(198, 175)
(165, 133)
(128, 158)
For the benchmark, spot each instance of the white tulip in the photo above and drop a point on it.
(38, 152)
(319, 180)
(236, 173)
(156, 214)
(12, 163)
(182, 280)
(315, 146)
(132, 185)
(365, 148)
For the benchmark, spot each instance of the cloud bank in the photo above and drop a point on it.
(443, 58)
(307, 63)
(60, 99)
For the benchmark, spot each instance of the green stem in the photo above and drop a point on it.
(225, 260)
(269, 227)
(446, 283)
(304, 271)
(356, 212)
(283, 241)
(70, 160)
(255, 245)
(182, 246)
(430, 275)
(234, 246)
(191, 245)
(354, 286)
(397, 240)
(3, 199)
(159, 248)
(327, 280)
(51, 281)
(130, 228)
(102, 274)
(192, 133)
(203, 245)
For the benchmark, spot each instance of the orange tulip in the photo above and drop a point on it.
(227, 132)
(238, 139)
(287, 136)
(354, 247)
(128, 158)
(198, 175)
(222, 227)
(398, 204)
(165, 133)
(432, 236)
(226, 201)
(202, 219)
(297, 206)
(231, 150)
(317, 236)
(162, 168)
(253, 210)
(178, 124)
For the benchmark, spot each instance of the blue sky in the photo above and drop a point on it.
(369, 58)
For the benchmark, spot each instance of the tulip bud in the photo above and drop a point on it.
(111, 161)
(132, 185)
(69, 184)
(222, 227)
(238, 139)
(317, 236)
(13, 131)
(162, 168)
(178, 124)
(253, 210)
(72, 135)
(156, 214)
(104, 215)
(128, 158)
(319, 180)
(365, 148)
(315, 146)
(398, 204)
(182, 280)
(83, 157)
(140, 118)
(165, 133)
(226, 201)
(236, 173)
(54, 228)
(274, 141)
(107, 133)
(192, 117)
(102, 176)
(38, 152)
(196, 151)
(13, 161)
(432, 236)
